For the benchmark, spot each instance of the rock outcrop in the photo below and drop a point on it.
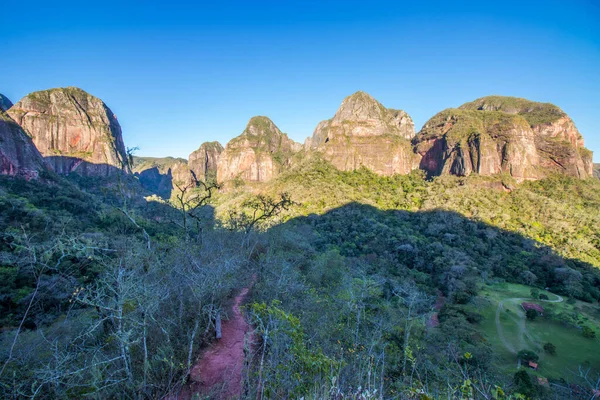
(203, 162)
(495, 134)
(162, 175)
(365, 133)
(597, 170)
(18, 154)
(559, 143)
(73, 130)
(5, 103)
(258, 154)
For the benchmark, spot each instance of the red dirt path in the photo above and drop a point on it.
(218, 372)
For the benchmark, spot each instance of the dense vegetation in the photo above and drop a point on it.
(365, 285)
(535, 113)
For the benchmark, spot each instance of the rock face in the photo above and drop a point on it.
(162, 175)
(597, 170)
(203, 162)
(5, 103)
(73, 130)
(365, 133)
(559, 143)
(258, 154)
(18, 154)
(497, 134)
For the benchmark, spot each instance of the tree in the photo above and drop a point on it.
(527, 355)
(416, 304)
(531, 314)
(535, 294)
(190, 199)
(523, 382)
(550, 348)
(588, 332)
(259, 209)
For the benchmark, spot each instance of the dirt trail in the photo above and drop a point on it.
(218, 371)
(520, 322)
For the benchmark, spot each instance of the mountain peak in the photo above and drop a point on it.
(5, 103)
(76, 131)
(261, 125)
(360, 106)
(535, 113)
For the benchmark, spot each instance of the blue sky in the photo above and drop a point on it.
(177, 74)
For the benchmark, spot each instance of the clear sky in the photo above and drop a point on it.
(177, 74)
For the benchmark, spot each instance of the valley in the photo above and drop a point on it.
(386, 263)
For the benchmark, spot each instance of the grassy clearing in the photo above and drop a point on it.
(572, 348)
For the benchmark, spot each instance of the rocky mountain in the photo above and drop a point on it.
(365, 133)
(73, 130)
(203, 162)
(162, 175)
(495, 134)
(258, 154)
(18, 154)
(5, 103)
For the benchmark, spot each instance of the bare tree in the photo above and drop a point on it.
(190, 199)
(415, 305)
(259, 210)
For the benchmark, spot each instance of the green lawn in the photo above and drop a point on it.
(572, 348)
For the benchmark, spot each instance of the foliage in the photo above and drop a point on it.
(588, 332)
(531, 314)
(550, 348)
(370, 287)
(523, 382)
(535, 113)
(527, 355)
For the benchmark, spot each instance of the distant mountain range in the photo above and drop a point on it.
(76, 132)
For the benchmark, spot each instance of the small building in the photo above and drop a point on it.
(532, 365)
(532, 306)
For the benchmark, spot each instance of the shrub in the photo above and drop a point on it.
(531, 314)
(550, 348)
(527, 355)
(588, 332)
(523, 383)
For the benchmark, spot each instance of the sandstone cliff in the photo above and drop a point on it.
(496, 134)
(365, 133)
(18, 154)
(162, 175)
(203, 162)
(258, 154)
(73, 130)
(5, 103)
(559, 143)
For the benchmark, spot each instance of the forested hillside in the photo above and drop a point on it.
(364, 285)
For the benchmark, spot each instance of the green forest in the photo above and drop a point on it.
(361, 286)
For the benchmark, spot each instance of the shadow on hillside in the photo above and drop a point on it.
(150, 180)
(160, 184)
(64, 165)
(444, 249)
